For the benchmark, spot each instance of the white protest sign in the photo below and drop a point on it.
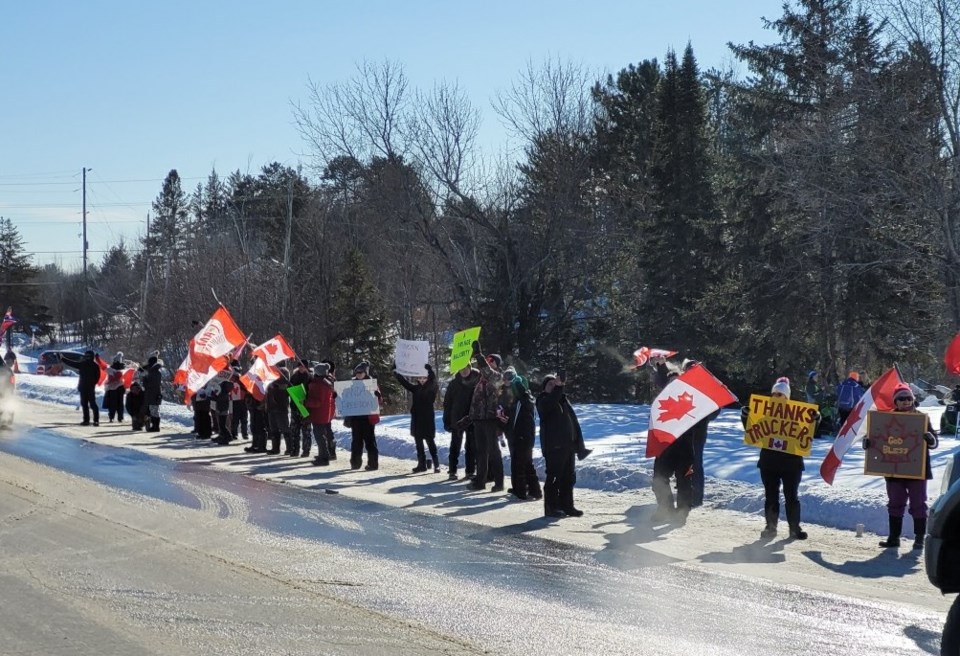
(411, 356)
(357, 397)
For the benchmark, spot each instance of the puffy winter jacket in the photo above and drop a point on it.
(320, 400)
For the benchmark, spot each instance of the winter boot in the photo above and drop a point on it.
(797, 533)
(421, 465)
(896, 526)
(771, 529)
(919, 531)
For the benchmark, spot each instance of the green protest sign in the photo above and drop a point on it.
(461, 350)
(299, 394)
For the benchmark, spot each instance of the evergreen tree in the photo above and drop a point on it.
(169, 230)
(362, 327)
(15, 274)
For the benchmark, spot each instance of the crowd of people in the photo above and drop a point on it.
(485, 407)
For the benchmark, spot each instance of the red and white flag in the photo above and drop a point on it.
(878, 397)
(216, 341)
(952, 357)
(274, 351)
(8, 320)
(180, 375)
(692, 396)
(258, 377)
(643, 354)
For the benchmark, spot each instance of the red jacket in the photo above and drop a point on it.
(320, 400)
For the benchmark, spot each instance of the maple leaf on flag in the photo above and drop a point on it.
(271, 348)
(675, 408)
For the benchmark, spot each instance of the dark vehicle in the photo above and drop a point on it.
(942, 553)
(48, 362)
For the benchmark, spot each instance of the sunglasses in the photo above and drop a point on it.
(902, 399)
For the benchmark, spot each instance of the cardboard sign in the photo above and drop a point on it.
(411, 356)
(461, 350)
(781, 425)
(896, 444)
(356, 398)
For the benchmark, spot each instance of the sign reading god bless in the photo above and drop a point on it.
(357, 397)
(896, 445)
(781, 425)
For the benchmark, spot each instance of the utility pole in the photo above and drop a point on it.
(83, 303)
(286, 250)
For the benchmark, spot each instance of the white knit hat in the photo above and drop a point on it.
(782, 386)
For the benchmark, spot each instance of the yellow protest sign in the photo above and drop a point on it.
(461, 350)
(781, 425)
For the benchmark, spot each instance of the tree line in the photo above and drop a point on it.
(800, 215)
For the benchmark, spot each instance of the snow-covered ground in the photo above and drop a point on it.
(617, 433)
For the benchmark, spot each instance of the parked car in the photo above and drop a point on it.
(942, 553)
(48, 363)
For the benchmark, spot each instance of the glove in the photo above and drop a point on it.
(476, 347)
(744, 412)
(866, 443)
(428, 367)
(930, 438)
(816, 416)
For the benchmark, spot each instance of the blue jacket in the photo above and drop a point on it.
(848, 393)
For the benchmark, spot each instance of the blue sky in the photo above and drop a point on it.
(134, 89)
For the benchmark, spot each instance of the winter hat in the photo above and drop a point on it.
(688, 364)
(88, 354)
(118, 357)
(304, 363)
(321, 369)
(152, 361)
(854, 375)
(811, 374)
(782, 386)
(902, 390)
(496, 358)
(332, 365)
(362, 368)
(509, 373)
(547, 379)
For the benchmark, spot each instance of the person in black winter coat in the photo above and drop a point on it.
(559, 435)
(89, 371)
(779, 468)
(423, 423)
(278, 415)
(257, 411)
(134, 404)
(301, 430)
(521, 433)
(224, 404)
(456, 406)
(201, 415)
(152, 393)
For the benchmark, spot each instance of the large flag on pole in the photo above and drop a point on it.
(878, 397)
(274, 351)
(217, 340)
(692, 396)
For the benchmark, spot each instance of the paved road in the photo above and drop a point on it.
(111, 551)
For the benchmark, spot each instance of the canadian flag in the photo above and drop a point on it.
(258, 377)
(644, 353)
(878, 397)
(218, 338)
(274, 351)
(694, 395)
